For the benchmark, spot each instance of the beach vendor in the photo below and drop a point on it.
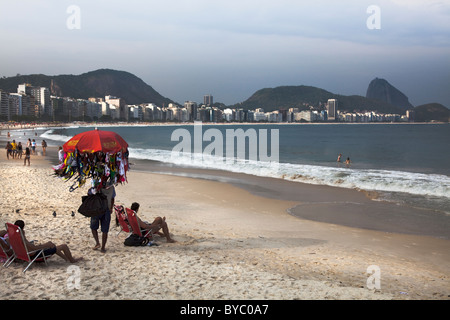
(103, 220)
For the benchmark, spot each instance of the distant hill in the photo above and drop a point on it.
(380, 89)
(431, 112)
(97, 83)
(286, 97)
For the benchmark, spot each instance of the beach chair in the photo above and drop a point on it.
(132, 220)
(5, 248)
(122, 218)
(17, 242)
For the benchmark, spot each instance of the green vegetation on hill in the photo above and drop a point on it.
(97, 83)
(380, 89)
(432, 112)
(302, 97)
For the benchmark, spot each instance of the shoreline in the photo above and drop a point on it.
(30, 126)
(356, 208)
(320, 203)
(225, 234)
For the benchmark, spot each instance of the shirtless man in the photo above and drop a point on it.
(158, 224)
(50, 248)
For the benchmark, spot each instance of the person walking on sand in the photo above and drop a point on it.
(27, 156)
(157, 224)
(33, 146)
(19, 150)
(8, 149)
(50, 248)
(103, 220)
(44, 147)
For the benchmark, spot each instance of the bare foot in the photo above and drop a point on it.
(97, 246)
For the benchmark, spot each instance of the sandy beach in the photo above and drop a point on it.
(233, 243)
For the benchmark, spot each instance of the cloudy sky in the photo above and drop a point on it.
(186, 49)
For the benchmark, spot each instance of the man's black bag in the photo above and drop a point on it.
(135, 241)
(93, 205)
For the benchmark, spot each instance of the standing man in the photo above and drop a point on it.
(103, 220)
(8, 149)
(14, 148)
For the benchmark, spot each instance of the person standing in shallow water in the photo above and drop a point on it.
(347, 162)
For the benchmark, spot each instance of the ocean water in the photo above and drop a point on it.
(403, 163)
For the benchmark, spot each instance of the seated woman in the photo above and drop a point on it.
(158, 224)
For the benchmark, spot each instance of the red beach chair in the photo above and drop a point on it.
(122, 218)
(6, 252)
(132, 220)
(17, 242)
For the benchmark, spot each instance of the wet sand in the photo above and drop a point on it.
(346, 207)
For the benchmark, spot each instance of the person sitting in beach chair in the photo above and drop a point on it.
(48, 248)
(154, 227)
(6, 252)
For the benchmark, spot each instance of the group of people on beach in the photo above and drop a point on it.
(103, 222)
(16, 150)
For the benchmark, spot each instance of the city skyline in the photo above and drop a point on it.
(185, 50)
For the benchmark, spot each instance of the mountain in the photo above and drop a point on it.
(380, 89)
(97, 83)
(301, 97)
(432, 112)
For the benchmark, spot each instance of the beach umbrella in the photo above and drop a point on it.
(97, 154)
(96, 141)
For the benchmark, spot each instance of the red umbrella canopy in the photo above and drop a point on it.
(95, 141)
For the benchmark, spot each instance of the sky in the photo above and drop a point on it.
(230, 49)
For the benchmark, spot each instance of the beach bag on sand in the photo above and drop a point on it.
(93, 205)
(135, 241)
